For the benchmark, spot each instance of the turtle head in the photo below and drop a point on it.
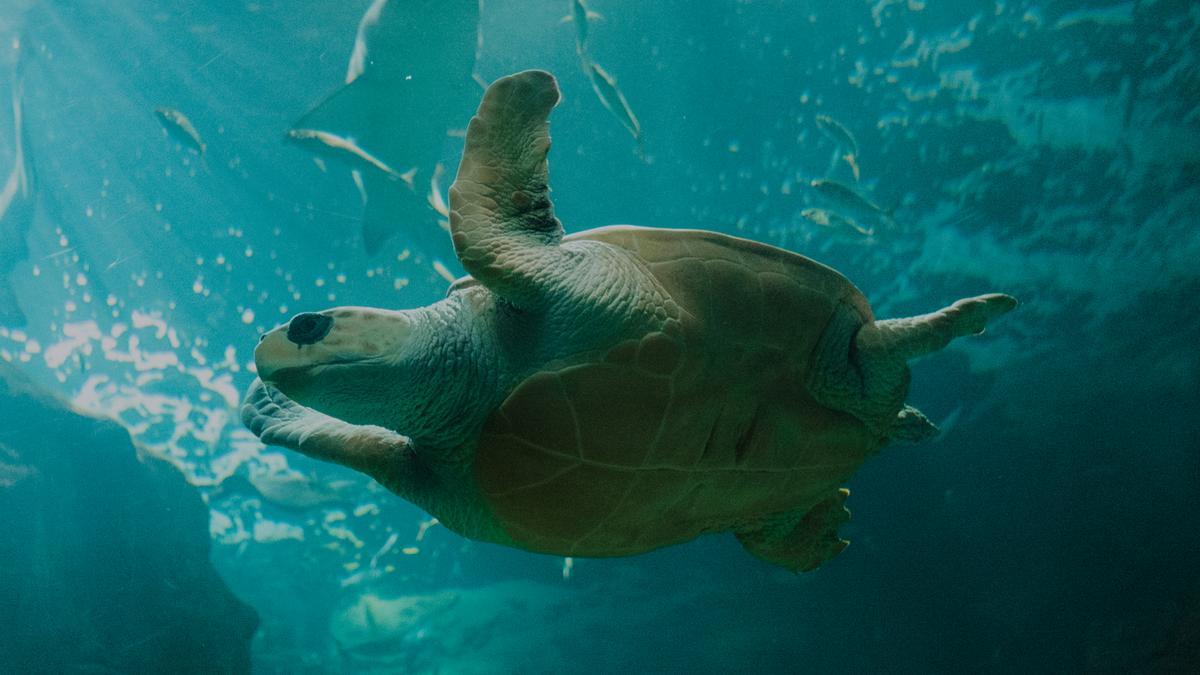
(344, 362)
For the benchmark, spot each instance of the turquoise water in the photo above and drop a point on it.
(1048, 150)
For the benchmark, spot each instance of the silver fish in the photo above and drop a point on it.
(838, 133)
(827, 218)
(582, 16)
(841, 136)
(358, 57)
(345, 149)
(605, 86)
(180, 128)
(435, 198)
(847, 200)
(405, 87)
(18, 184)
(18, 201)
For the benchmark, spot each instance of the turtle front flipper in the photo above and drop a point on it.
(800, 540)
(501, 218)
(380, 453)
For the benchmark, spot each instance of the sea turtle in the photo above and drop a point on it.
(609, 392)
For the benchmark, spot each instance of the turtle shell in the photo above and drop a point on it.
(703, 426)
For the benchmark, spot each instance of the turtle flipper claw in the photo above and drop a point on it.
(271, 416)
(970, 316)
(801, 540)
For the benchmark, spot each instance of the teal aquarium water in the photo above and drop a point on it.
(180, 178)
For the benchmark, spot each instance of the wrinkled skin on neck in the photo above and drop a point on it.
(407, 370)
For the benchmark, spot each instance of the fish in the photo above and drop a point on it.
(443, 271)
(59, 254)
(383, 550)
(18, 183)
(358, 57)
(1117, 15)
(847, 200)
(356, 176)
(180, 128)
(339, 147)
(843, 139)
(408, 83)
(610, 95)
(838, 133)
(827, 218)
(117, 261)
(18, 200)
(373, 571)
(582, 16)
(604, 84)
(435, 198)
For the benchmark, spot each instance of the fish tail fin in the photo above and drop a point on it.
(592, 15)
(852, 161)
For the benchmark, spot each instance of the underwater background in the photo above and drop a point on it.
(1049, 150)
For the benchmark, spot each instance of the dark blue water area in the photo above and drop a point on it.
(1048, 150)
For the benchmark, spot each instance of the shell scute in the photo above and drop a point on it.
(514, 465)
(613, 406)
(541, 411)
(733, 306)
(658, 354)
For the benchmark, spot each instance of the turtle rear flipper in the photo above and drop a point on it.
(802, 540)
(862, 368)
(380, 453)
(908, 338)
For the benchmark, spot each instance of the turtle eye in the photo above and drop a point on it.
(309, 328)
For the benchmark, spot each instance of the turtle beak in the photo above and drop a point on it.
(274, 352)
